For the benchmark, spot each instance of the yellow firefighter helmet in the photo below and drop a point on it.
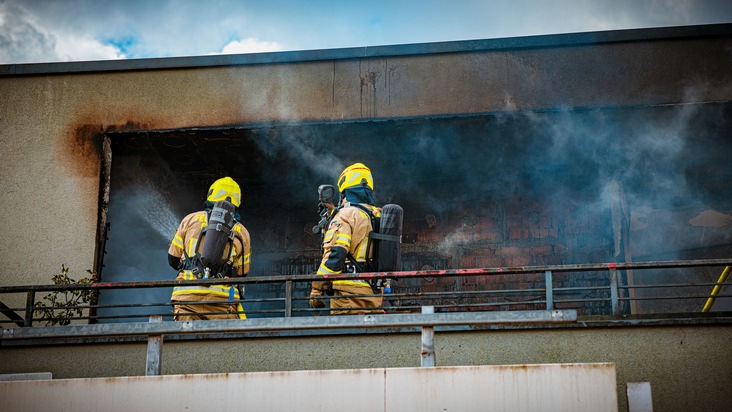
(356, 174)
(225, 189)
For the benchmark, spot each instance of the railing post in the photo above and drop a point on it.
(154, 350)
(29, 308)
(288, 298)
(428, 341)
(549, 290)
(614, 300)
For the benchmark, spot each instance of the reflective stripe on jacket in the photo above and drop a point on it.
(187, 236)
(221, 291)
(348, 232)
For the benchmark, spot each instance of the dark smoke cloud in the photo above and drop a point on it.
(643, 171)
(302, 156)
(645, 164)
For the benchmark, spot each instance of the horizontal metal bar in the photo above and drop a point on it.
(677, 297)
(674, 285)
(374, 275)
(282, 324)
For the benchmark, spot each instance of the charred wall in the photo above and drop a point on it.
(495, 190)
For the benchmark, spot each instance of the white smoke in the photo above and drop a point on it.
(454, 240)
(614, 197)
(142, 223)
(306, 152)
(156, 210)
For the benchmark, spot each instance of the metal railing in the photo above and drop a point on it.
(156, 329)
(602, 289)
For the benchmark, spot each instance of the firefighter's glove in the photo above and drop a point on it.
(316, 303)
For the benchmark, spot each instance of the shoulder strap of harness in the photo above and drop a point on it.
(370, 258)
(380, 236)
(368, 211)
(193, 263)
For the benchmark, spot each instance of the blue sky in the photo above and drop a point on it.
(34, 31)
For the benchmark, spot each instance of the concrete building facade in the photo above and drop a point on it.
(504, 152)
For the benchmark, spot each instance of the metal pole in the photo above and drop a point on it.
(428, 341)
(29, 308)
(614, 291)
(154, 350)
(549, 290)
(288, 299)
(716, 289)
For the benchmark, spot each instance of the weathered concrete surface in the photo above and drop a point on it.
(563, 387)
(689, 367)
(52, 120)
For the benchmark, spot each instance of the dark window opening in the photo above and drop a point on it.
(500, 190)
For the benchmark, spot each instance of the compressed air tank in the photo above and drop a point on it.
(390, 250)
(218, 233)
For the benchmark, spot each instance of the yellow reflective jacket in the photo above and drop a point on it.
(348, 232)
(187, 236)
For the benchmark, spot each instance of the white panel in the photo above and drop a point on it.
(303, 390)
(639, 397)
(565, 387)
(546, 388)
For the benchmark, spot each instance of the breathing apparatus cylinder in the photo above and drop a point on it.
(218, 234)
(389, 252)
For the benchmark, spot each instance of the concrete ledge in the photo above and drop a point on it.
(10, 377)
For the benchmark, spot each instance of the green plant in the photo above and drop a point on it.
(60, 307)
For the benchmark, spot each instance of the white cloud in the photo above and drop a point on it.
(74, 48)
(250, 45)
(53, 30)
(20, 39)
(24, 40)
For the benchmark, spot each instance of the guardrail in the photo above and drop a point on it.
(156, 329)
(612, 290)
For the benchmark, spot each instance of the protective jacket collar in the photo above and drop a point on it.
(360, 194)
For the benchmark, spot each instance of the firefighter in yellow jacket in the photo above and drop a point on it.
(227, 254)
(347, 239)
